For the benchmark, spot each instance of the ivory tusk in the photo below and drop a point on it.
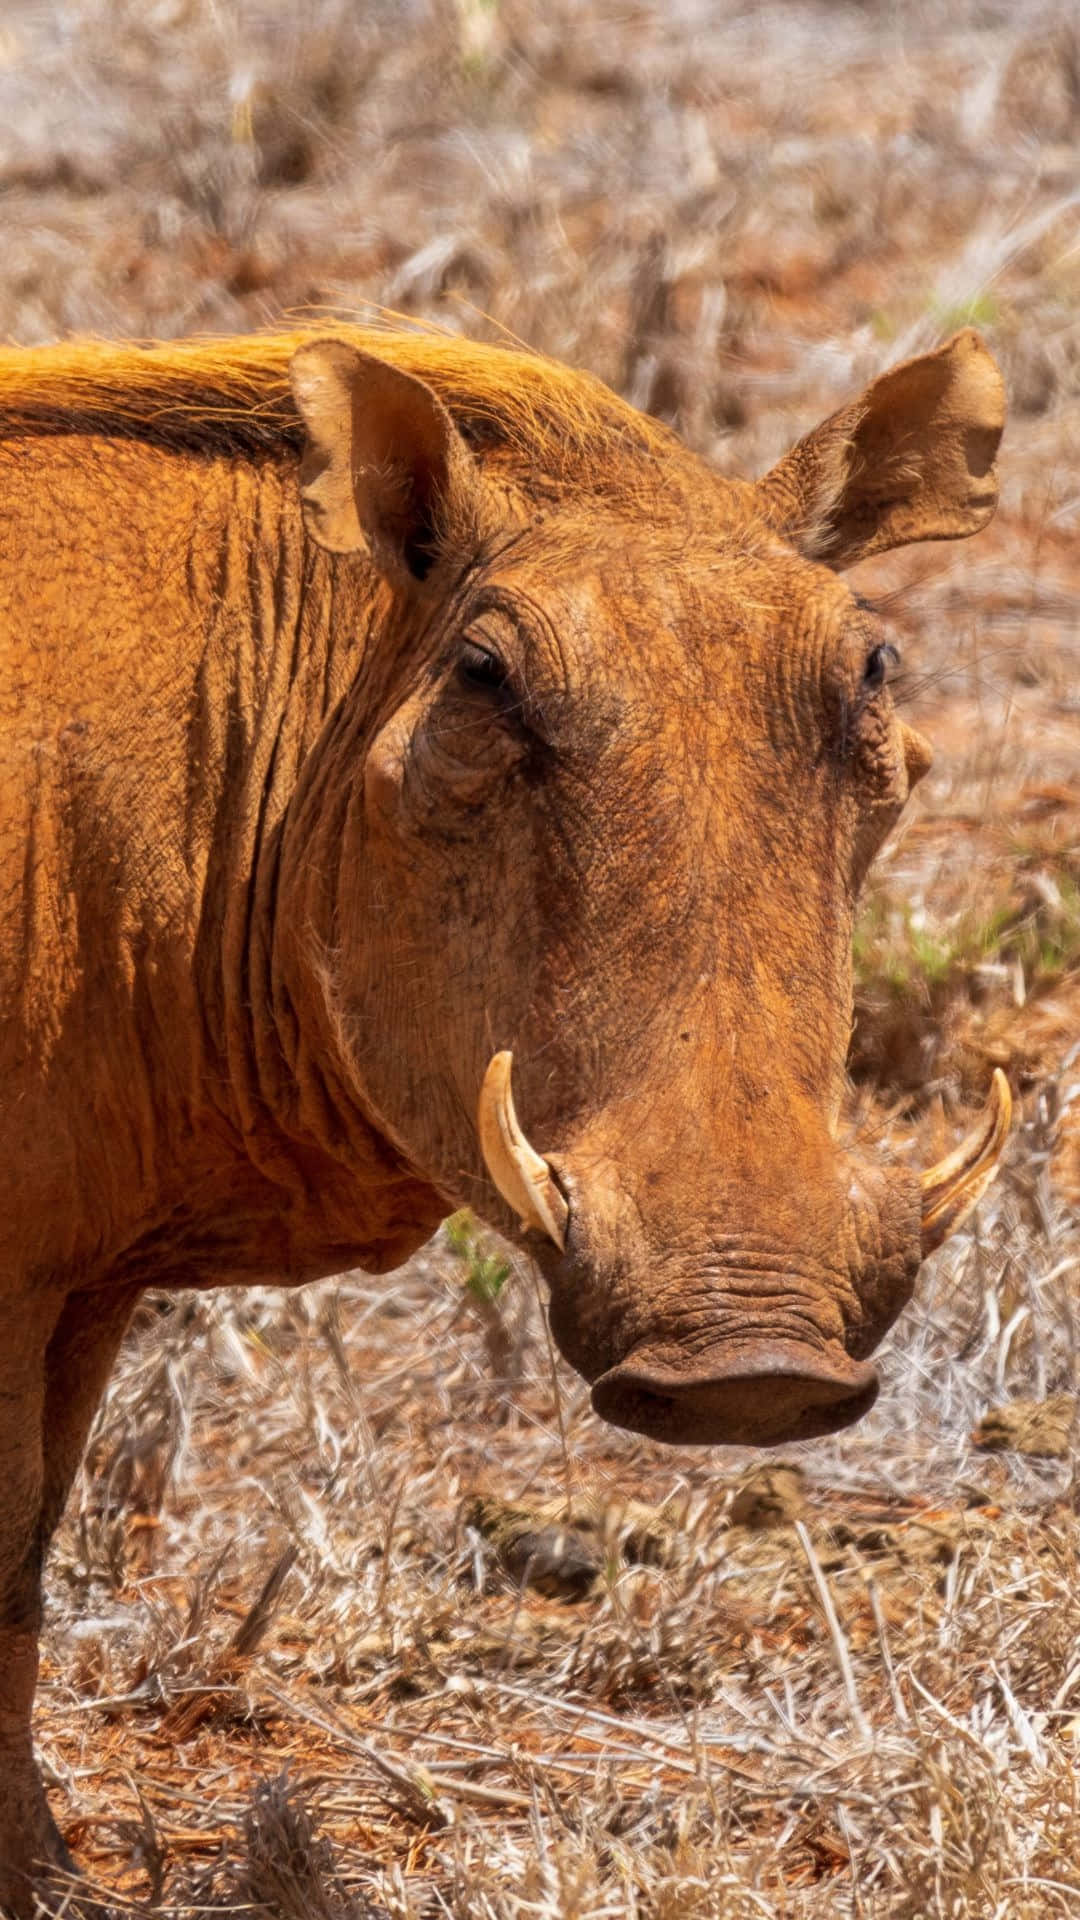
(953, 1187)
(524, 1179)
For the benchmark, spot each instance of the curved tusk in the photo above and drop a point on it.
(952, 1188)
(525, 1181)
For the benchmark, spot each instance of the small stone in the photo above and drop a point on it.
(1041, 1428)
(771, 1495)
(556, 1560)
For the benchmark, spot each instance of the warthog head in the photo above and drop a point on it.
(618, 760)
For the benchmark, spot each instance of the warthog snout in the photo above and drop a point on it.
(741, 1345)
(751, 1324)
(751, 1394)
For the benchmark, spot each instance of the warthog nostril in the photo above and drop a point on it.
(751, 1395)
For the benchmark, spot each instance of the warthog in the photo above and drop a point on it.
(380, 707)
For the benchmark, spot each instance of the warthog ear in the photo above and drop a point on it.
(912, 459)
(383, 460)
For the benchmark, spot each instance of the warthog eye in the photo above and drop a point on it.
(878, 662)
(481, 671)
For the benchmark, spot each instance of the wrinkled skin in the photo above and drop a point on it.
(320, 786)
(687, 1072)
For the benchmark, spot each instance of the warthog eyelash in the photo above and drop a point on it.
(481, 669)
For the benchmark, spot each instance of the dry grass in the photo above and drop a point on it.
(357, 1610)
(288, 1649)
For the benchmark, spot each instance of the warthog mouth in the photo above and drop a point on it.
(756, 1394)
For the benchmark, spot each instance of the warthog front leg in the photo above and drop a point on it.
(50, 1382)
(29, 1840)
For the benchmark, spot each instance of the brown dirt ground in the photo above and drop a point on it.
(298, 1660)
